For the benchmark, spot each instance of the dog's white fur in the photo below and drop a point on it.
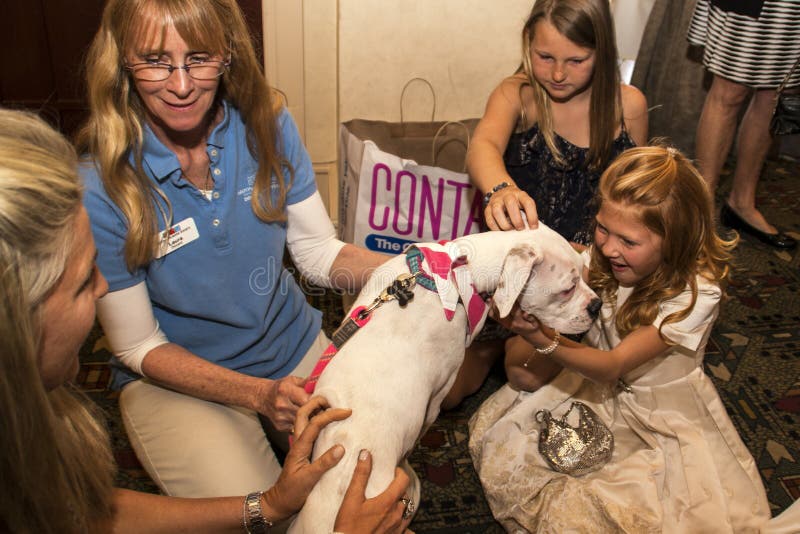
(396, 370)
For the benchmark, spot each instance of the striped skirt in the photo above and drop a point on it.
(758, 52)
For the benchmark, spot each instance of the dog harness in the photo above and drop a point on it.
(438, 267)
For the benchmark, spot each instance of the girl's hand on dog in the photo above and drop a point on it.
(300, 474)
(508, 208)
(382, 513)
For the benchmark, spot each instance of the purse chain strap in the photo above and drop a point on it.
(788, 76)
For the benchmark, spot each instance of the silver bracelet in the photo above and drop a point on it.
(551, 347)
(253, 517)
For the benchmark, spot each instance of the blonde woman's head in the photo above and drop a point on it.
(40, 197)
(216, 27)
(54, 453)
(121, 109)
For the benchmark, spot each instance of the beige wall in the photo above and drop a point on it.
(462, 47)
(343, 59)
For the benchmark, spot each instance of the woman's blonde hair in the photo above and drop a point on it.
(114, 130)
(55, 460)
(672, 201)
(588, 24)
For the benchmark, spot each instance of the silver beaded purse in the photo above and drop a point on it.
(575, 450)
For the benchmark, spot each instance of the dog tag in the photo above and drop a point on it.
(344, 332)
(401, 289)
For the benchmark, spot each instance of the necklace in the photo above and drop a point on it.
(206, 182)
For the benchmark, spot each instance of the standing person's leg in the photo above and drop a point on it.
(752, 146)
(717, 127)
(740, 211)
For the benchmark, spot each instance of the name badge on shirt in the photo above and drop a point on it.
(179, 235)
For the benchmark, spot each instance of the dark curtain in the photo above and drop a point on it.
(670, 74)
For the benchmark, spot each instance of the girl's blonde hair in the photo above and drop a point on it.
(114, 130)
(673, 201)
(588, 24)
(55, 459)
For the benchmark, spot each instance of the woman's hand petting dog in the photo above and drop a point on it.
(382, 513)
(300, 474)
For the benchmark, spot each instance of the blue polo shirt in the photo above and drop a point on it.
(225, 296)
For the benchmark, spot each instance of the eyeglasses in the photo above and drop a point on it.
(203, 70)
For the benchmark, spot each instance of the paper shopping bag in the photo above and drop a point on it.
(401, 183)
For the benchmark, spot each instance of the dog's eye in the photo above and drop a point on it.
(568, 293)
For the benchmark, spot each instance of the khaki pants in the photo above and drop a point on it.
(195, 448)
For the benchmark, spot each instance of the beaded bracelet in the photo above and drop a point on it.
(551, 347)
(545, 351)
(495, 189)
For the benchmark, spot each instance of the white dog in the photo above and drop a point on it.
(396, 369)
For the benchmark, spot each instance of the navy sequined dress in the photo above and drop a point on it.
(564, 193)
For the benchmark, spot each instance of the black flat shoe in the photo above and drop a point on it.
(731, 219)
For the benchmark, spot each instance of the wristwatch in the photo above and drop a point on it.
(256, 522)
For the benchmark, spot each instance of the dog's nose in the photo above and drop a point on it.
(594, 307)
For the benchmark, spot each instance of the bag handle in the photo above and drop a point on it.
(788, 76)
(403, 94)
(439, 131)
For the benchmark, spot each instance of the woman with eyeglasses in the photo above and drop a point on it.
(56, 465)
(196, 181)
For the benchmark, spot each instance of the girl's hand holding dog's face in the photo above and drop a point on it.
(524, 324)
(517, 321)
(300, 475)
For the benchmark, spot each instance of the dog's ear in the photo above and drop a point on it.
(516, 270)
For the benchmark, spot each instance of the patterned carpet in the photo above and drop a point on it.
(753, 358)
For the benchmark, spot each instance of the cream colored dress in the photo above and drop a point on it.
(678, 464)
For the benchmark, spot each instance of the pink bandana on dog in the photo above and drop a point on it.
(453, 282)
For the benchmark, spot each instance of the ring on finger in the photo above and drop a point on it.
(410, 507)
